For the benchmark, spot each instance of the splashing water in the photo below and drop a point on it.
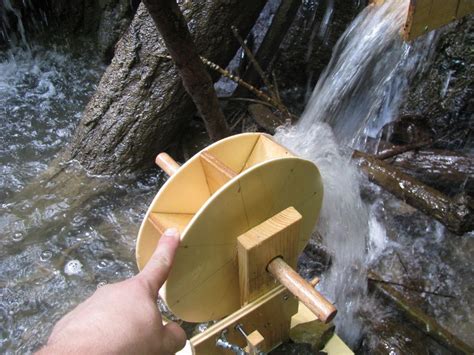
(368, 74)
(356, 95)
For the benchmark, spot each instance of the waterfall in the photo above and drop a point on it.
(6, 32)
(359, 91)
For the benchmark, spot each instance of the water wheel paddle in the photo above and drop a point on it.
(228, 189)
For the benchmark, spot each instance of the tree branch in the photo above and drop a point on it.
(196, 80)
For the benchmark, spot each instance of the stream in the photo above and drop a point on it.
(56, 251)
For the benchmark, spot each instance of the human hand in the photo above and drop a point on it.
(123, 317)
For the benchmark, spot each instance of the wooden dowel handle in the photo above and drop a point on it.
(302, 289)
(168, 164)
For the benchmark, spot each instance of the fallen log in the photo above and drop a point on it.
(399, 149)
(420, 319)
(449, 171)
(196, 80)
(455, 213)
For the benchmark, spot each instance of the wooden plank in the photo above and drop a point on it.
(154, 225)
(426, 15)
(163, 221)
(277, 236)
(217, 173)
(465, 7)
(184, 192)
(255, 341)
(266, 149)
(234, 151)
(269, 314)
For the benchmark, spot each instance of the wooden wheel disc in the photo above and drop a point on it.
(203, 284)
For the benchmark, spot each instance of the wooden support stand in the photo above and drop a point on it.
(266, 306)
(257, 214)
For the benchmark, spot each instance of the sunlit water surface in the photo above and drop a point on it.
(54, 252)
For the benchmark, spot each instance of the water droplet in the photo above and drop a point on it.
(102, 264)
(17, 236)
(73, 267)
(46, 255)
(101, 284)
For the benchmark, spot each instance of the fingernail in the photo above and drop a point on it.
(171, 232)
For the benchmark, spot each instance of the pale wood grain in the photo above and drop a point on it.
(217, 173)
(204, 284)
(270, 315)
(167, 164)
(426, 15)
(277, 236)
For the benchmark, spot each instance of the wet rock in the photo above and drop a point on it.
(295, 349)
(307, 47)
(444, 91)
(314, 259)
(116, 16)
(315, 333)
(406, 129)
(393, 335)
(102, 21)
(265, 118)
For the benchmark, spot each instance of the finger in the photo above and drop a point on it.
(158, 267)
(174, 338)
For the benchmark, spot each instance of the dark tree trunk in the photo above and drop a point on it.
(196, 80)
(140, 104)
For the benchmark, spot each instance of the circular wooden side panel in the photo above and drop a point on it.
(204, 282)
(187, 190)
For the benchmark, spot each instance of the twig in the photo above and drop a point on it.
(420, 319)
(401, 262)
(197, 82)
(227, 74)
(249, 87)
(234, 126)
(229, 98)
(419, 290)
(275, 87)
(257, 66)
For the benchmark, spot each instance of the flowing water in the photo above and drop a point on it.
(60, 240)
(357, 94)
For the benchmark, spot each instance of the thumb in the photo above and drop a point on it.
(158, 267)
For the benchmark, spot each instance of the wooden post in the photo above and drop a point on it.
(263, 249)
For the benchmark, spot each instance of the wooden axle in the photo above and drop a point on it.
(304, 291)
(265, 249)
(166, 163)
